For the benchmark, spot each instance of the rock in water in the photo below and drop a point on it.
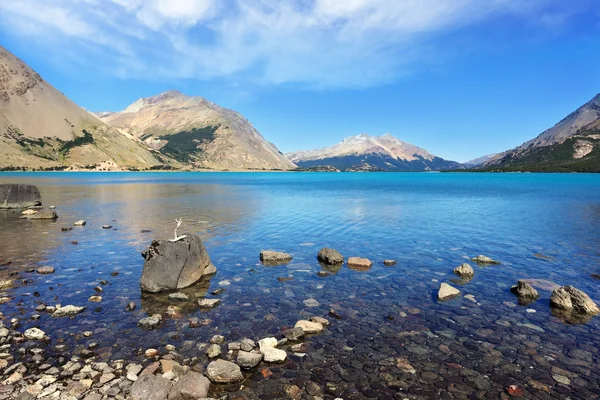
(480, 259)
(34, 334)
(524, 290)
(359, 263)
(464, 270)
(42, 214)
(14, 195)
(389, 263)
(81, 222)
(67, 311)
(274, 257)
(309, 326)
(330, 256)
(447, 292)
(175, 265)
(247, 360)
(571, 299)
(191, 386)
(150, 387)
(221, 371)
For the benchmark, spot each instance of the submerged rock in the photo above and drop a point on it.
(221, 371)
(45, 270)
(524, 290)
(464, 270)
(330, 256)
(150, 323)
(179, 297)
(268, 256)
(15, 195)
(447, 292)
(67, 311)
(174, 265)
(572, 299)
(208, 303)
(481, 259)
(294, 334)
(309, 326)
(359, 263)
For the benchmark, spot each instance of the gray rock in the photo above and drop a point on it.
(150, 323)
(524, 290)
(174, 265)
(208, 303)
(294, 334)
(179, 297)
(273, 355)
(330, 256)
(191, 386)
(247, 360)
(447, 292)
(464, 270)
(150, 387)
(81, 222)
(34, 334)
(42, 214)
(213, 351)
(572, 299)
(217, 339)
(481, 259)
(66, 311)
(15, 195)
(247, 344)
(221, 371)
(309, 326)
(275, 257)
(45, 270)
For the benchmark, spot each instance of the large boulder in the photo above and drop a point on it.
(15, 195)
(174, 265)
(571, 299)
(150, 387)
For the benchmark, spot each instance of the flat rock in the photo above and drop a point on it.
(330, 256)
(174, 265)
(29, 212)
(269, 256)
(150, 387)
(43, 214)
(273, 355)
(221, 371)
(208, 303)
(309, 326)
(34, 334)
(16, 195)
(191, 386)
(447, 292)
(247, 360)
(359, 263)
(67, 311)
(464, 270)
(481, 259)
(179, 297)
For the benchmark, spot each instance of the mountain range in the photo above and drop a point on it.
(573, 144)
(372, 153)
(41, 129)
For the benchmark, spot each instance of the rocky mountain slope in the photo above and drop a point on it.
(40, 128)
(573, 144)
(372, 153)
(479, 161)
(194, 131)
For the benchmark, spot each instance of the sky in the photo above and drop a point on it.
(460, 78)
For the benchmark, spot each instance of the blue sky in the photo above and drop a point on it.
(461, 78)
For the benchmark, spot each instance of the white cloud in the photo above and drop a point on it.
(322, 43)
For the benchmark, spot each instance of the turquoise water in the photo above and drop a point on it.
(541, 226)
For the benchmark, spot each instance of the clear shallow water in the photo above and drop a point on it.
(542, 226)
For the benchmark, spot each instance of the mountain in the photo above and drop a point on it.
(372, 153)
(40, 128)
(194, 131)
(573, 144)
(479, 161)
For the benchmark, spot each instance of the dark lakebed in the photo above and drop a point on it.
(540, 226)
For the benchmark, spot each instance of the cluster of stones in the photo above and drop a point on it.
(573, 303)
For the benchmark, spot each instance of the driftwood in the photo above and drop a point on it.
(177, 238)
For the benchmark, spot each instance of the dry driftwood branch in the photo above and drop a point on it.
(177, 238)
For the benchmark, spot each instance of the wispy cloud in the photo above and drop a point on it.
(317, 43)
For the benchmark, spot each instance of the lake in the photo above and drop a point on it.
(540, 226)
